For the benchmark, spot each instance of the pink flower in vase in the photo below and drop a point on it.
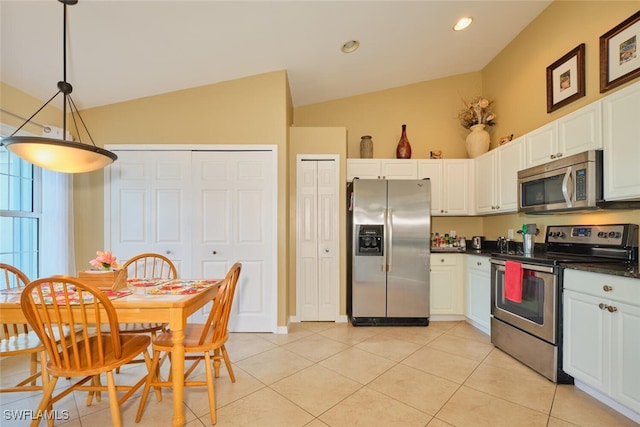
(104, 261)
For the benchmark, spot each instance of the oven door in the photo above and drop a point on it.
(537, 312)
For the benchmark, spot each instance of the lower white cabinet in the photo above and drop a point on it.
(478, 287)
(446, 284)
(602, 334)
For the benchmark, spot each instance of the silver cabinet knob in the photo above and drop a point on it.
(326, 250)
(214, 252)
(607, 288)
(479, 263)
(168, 252)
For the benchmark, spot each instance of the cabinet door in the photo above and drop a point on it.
(363, 168)
(581, 130)
(432, 169)
(478, 308)
(625, 354)
(586, 339)
(509, 160)
(399, 169)
(485, 182)
(621, 112)
(446, 297)
(456, 194)
(542, 144)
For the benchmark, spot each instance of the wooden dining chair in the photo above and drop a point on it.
(55, 303)
(19, 340)
(200, 340)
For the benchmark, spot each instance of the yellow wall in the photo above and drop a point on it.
(23, 105)
(310, 140)
(429, 109)
(516, 78)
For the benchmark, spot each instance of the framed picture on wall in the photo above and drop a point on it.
(565, 79)
(619, 58)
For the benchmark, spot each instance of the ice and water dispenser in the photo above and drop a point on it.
(370, 240)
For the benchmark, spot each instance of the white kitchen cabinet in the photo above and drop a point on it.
(571, 134)
(446, 284)
(601, 338)
(478, 295)
(382, 169)
(621, 117)
(496, 178)
(450, 185)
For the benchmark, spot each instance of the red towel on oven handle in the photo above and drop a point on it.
(513, 281)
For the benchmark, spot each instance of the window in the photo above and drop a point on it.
(20, 212)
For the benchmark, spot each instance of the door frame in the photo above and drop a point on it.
(206, 147)
(336, 290)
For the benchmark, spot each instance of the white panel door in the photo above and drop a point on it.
(234, 205)
(150, 206)
(317, 239)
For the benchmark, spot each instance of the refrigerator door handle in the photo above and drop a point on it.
(385, 237)
(389, 242)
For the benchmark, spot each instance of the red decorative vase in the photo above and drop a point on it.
(403, 151)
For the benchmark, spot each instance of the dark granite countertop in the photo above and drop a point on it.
(615, 269)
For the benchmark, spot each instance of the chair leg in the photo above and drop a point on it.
(33, 366)
(44, 403)
(153, 374)
(116, 420)
(210, 387)
(227, 362)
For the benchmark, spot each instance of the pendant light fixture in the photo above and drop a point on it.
(55, 154)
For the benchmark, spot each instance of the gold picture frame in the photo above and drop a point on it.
(565, 79)
(619, 56)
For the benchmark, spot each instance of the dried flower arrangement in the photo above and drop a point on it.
(476, 112)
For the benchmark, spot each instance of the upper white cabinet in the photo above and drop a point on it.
(495, 178)
(450, 185)
(382, 169)
(621, 119)
(574, 133)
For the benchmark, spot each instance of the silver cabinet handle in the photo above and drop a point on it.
(602, 306)
(326, 250)
(607, 288)
(214, 252)
(168, 252)
(479, 263)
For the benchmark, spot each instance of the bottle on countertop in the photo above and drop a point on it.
(403, 151)
(463, 243)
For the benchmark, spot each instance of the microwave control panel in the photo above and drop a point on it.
(581, 184)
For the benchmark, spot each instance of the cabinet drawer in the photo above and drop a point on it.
(478, 263)
(615, 288)
(443, 259)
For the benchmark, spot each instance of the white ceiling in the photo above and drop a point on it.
(122, 50)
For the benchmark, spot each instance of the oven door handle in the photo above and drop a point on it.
(565, 187)
(499, 265)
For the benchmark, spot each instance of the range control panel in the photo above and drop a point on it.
(621, 235)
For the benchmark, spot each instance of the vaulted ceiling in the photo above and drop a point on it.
(121, 50)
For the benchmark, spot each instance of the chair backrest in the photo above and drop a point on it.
(215, 329)
(54, 305)
(151, 266)
(12, 278)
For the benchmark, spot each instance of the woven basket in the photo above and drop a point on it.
(104, 280)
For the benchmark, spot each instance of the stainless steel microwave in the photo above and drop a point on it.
(566, 184)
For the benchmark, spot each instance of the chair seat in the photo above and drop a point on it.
(21, 344)
(132, 346)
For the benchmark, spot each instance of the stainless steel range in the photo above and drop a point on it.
(526, 290)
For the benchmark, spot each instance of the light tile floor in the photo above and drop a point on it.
(327, 374)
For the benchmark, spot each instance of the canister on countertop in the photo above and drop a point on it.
(477, 242)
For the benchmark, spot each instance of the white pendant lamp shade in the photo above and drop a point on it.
(57, 155)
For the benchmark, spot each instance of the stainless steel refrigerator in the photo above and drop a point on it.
(389, 241)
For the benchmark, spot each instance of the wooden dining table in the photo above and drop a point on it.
(171, 308)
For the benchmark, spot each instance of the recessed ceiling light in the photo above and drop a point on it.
(350, 46)
(463, 23)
